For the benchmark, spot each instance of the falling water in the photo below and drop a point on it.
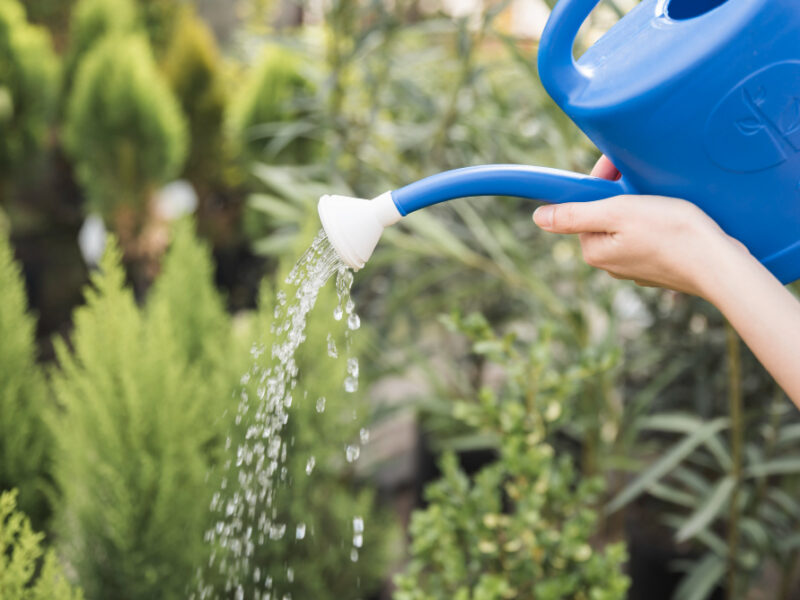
(245, 504)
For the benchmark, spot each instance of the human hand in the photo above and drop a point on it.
(652, 240)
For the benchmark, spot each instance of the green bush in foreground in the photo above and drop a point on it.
(24, 441)
(143, 396)
(21, 577)
(520, 528)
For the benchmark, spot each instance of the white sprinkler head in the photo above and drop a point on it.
(355, 225)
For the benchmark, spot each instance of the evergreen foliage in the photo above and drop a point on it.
(24, 441)
(28, 83)
(160, 18)
(520, 528)
(193, 68)
(141, 425)
(22, 575)
(268, 117)
(124, 128)
(90, 22)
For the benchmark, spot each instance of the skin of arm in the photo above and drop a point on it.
(671, 243)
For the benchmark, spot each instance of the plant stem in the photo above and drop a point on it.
(737, 442)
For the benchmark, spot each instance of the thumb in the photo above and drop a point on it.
(574, 217)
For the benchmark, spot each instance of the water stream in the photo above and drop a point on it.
(244, 506)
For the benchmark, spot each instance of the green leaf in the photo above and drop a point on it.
(778, 466)
(276, 207)
(701, 580)
(709, 510)
(667, 463)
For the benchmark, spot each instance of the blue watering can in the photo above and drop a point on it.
(696, 99)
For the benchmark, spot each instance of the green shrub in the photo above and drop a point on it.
(268, 118)
(124, 128)
(90, 22)
(160, 18)
(143, 402)
(21, 575)
(24, 441)
(28, 83)
(520, 528)
(194, 70)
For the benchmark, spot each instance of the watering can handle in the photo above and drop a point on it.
(535, 183)
(558, 71)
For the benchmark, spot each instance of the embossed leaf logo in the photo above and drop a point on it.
(790, 119)
(749, 126)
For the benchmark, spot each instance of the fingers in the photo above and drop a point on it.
(573, 217)
(605, 169)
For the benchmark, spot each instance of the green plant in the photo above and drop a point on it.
(522, 526)
(24, 439)
(23, 575)
(269, 117)
(28, 83)
(143, 398)
(124, 128)
(160, 18)
(193, 68)
(90, 22)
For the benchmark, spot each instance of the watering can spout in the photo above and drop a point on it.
(354, 225)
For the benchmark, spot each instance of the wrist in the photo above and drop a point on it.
(726, 268)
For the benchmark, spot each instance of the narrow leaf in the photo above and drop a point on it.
(667, 463)
(708, 511)
(701, 580)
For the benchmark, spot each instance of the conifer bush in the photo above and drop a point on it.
(90, 22)
(521, 527)
(142, 397)
(124, 129)
(193, 68)
(269, 117)
(24, 441)
(27, 571)
(28, 85)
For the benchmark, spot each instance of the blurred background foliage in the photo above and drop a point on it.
(575, 437)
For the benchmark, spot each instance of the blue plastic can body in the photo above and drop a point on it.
(697, 99)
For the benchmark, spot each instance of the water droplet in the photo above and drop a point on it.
(300, 533)
(352, 452)
(358, 540)
(350, 385)
(358, 524)
(354, 555)
(321, 404)
(353, 322)
(363, 435)
(290, 574)
(310, 465)
(239, 593)
(332, 346)
(338, 313)
(276, 531)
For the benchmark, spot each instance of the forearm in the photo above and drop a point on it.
(764, 313)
